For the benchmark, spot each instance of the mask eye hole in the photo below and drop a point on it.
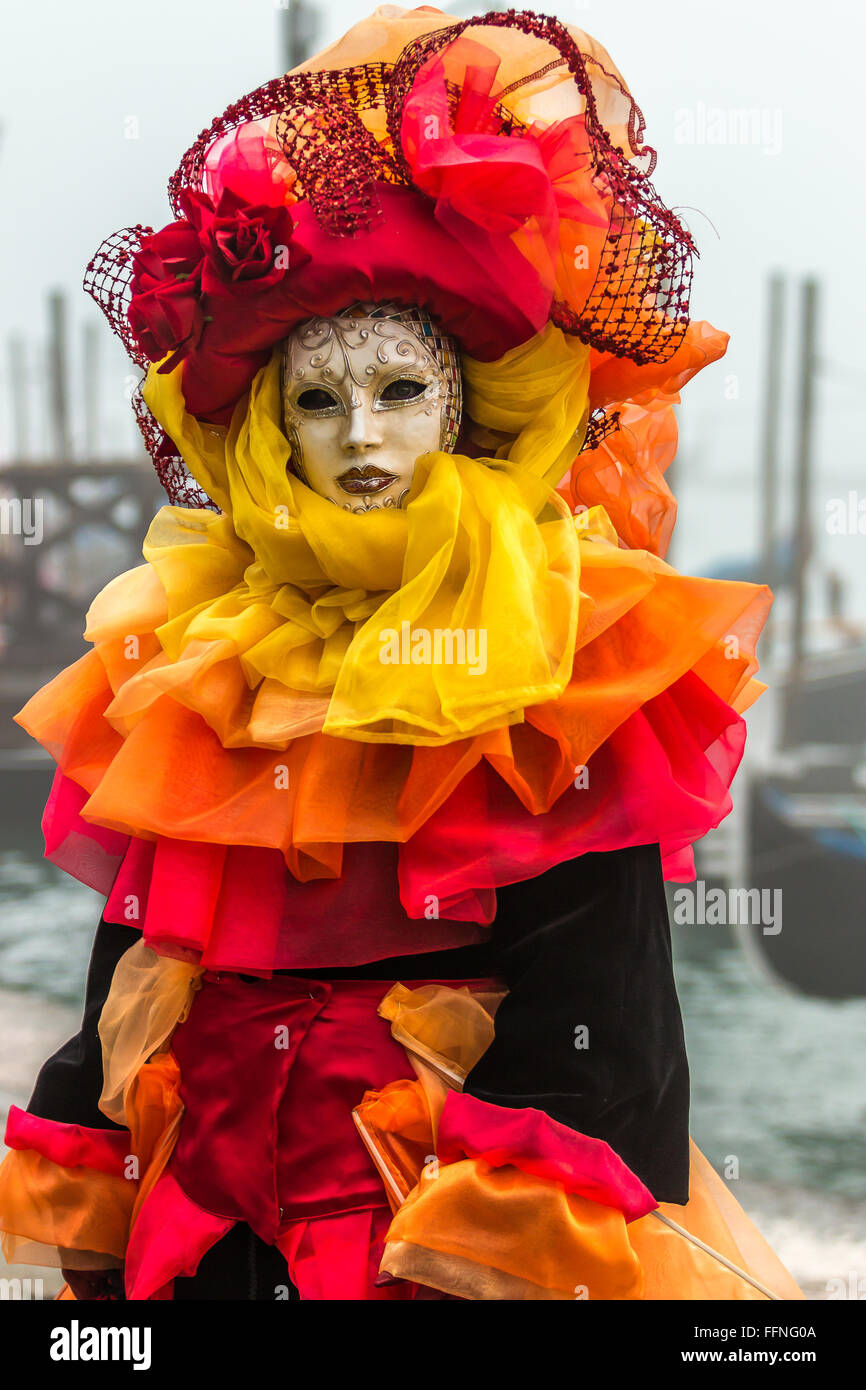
(316, 398)
(404, 388)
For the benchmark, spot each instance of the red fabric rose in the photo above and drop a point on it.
(231, 252)
(246, 248)
(165, 312)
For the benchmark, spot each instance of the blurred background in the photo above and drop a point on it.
(756, 114)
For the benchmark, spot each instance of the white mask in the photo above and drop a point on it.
(365, 394)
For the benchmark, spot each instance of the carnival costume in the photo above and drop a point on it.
(381, 794)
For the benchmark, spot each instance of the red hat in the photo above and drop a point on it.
(412, 182)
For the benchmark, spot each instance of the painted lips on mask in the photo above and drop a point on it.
(368, 479)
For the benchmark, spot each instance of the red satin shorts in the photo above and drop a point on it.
(271, 1070)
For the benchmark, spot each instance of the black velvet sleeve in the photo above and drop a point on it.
(591, 1031)
(70, 1083)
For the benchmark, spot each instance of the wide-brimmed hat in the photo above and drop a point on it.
(472, 174)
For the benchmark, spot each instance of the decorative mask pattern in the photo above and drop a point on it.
(365, 394)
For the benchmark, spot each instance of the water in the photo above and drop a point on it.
(47, 924)
(776, 1078)
(778, 1098)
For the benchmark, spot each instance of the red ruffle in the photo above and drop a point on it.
(533, 1142)
(662, 777)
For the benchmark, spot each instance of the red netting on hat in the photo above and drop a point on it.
(108, 277)
(338, 163)
(601, 423)
(328, 164)
(646, 263)
(638, 305)
(179, 484)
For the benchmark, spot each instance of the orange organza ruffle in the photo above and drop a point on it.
(154, 1110)
(54, 1215)
(484, 1230)
(675, 1267)
(188, 750)
(625, 473)
(480, 1232)
(79, 1217)
(616, 379)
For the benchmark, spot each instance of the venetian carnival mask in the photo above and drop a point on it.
(365, 394)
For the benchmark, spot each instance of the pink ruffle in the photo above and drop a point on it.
(533, 1142)
(87, 852)
(237, 907)
(70, 1146)
(170, 1236)
(662, 777)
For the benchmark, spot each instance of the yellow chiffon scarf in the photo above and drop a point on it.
(423, 625)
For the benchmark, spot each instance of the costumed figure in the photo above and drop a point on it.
(382, 756)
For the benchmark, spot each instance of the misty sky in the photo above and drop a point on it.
(77, 79)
